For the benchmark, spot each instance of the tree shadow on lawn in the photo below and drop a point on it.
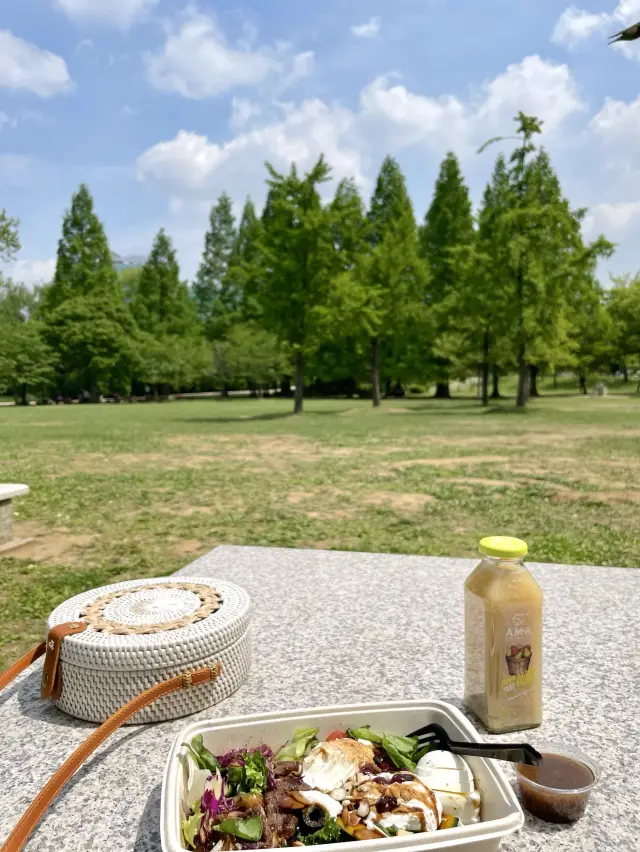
(257, 417)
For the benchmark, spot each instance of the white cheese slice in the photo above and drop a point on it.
(466, 807)
(315, 797)
(445, 771)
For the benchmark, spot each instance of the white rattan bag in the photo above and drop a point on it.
(142, 632)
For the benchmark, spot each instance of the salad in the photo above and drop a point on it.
(355, 785)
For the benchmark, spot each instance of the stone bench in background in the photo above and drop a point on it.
(7, 492)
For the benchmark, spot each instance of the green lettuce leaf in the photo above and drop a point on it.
(256, 773)
(296, 747)
(329, 833)
(235, 779)
(405, 745)
(249, 828)
(399, 759)
(190, 827)
(365, 733)
(202, 756)
(389, 830)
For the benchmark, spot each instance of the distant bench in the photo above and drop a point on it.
(8, 491)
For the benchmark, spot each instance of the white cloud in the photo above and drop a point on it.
(368, 30)
(534, 86)
(612, 219)
(25, 66)
(617, 129)
(118, 13)
(129, 112)
(242, 111)
(389, 118)
(577, 25)
(197, 62)
(31, 271)
(191, 163)
(302, 65)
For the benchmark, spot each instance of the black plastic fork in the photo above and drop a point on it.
(436, 736)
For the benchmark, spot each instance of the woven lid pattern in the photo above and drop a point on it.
(154, 623)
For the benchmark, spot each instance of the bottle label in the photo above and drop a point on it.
(520, 665)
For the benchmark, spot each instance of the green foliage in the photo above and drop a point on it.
(623, 303)
(83, 266)
(243, 273)
(213, 290)
(392, 278)
(249, 357)
(96, 340)
(298, 262)
(9, 239)
(447, 232)
(172, 351)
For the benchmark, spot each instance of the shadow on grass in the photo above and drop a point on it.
(258, 417)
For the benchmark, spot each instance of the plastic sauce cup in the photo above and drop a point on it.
(560, 792)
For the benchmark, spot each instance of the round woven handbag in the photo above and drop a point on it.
(135, 634)
(140, 651)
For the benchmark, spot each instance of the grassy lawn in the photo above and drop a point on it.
(139, 490)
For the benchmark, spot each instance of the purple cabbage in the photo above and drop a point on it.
(236, 755)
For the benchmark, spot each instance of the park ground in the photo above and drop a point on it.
(125, 491)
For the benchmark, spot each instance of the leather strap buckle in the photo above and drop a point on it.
(51, 686)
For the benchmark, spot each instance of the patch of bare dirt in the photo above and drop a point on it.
(609, 497)
(460, 461)
(399, 501)
(296, 497)
(330, 515)
(470, 480)
(55, 546)
(186, 511)
(186, 547)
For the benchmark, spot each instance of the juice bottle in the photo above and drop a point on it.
(503, 638)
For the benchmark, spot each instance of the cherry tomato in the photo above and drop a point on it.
(337, 735)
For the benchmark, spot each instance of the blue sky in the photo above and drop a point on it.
(159, 105)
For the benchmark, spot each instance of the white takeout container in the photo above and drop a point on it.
(500, 815)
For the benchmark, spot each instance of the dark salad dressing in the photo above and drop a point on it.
(556, 774)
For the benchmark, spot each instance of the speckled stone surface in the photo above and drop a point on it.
(349, 627)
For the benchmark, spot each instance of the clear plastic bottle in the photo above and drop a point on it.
(503, 638)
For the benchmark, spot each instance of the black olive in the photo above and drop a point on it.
(386, 803)
(313, 816)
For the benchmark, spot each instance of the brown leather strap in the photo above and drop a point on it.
(23, 663)
(51, 686)
(31, 817)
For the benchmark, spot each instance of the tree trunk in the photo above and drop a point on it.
(388, 389)
(583, 383)
(638, 387)
(495, 381)
(442, 390)
(555, 379)
(533, 380)
(375, 372)
(523, 379)
(94, 393)
(299, 397)
(625, 373)
(24, 396)
(485, 368)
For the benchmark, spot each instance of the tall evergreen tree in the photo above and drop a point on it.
(448, 226)
(83, 265)
(392, 273)
(172, 351)
(298, 263)
(213, 291)
(244, 265)
(86, 321)
(546, 258)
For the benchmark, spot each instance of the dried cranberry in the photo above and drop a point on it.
(369, 769)
(401, 777)
(386, 803)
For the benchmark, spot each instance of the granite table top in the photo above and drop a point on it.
(337, 628)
